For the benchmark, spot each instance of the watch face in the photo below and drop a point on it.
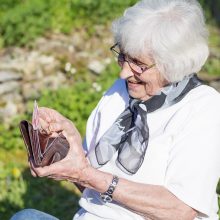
(106, 197)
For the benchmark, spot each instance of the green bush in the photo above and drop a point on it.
(75, 103)
(8, 4)
(61, 20)
(211, 10)
(21, 21)
(29, 19)
(20, 190)
(99, 11)
(10, 135)
(25, 22)
(212, 67)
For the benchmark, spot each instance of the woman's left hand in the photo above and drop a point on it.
(70, 168)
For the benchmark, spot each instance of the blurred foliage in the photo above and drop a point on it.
(22, 21)
(7, 4)
(212, 8)
(20, 190)
(212, 67)
(10, 137)
(214, 38)
(76, 102)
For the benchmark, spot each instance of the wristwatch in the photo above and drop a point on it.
(107, 196)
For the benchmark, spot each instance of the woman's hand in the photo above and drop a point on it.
(72, 167)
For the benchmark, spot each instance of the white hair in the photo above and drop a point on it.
(172, 32)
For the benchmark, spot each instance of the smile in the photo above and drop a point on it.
(133, 85)
(134, 82)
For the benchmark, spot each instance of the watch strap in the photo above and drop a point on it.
(107, 196)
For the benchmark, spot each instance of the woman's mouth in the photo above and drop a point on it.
(132, 84)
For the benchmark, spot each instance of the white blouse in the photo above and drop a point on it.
(183, 152)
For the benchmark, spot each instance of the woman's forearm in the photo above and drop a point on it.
(150, 201)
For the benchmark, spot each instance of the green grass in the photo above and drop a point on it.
(214, 39)
(21, 22)
(212, 66)
(25, 191)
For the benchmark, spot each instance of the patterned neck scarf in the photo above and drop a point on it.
(129, 134)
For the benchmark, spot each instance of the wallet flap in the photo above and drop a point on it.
(35, 145)
(44, 140)
(56, 151)
(25, 134)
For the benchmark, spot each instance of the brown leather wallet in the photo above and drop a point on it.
(42, 149)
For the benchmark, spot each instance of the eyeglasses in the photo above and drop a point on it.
(136, 66)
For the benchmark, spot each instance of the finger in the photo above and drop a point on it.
(64, 125)
(44, 124)
(31, 168)
(42, 171)
(33, 173)
(54, 134)
(45, 114)
(50, 114)
(59, 126)
(56, 177)
(52, 169)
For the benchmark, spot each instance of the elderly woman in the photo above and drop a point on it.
(152, 145)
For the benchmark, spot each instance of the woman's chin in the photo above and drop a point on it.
(138, 95)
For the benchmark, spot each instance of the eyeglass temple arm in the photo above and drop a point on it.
(112, 47)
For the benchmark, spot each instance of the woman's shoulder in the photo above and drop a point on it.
(117, 93)
(199, 109)
(119, 86)
(204, 95)
(116, 96)
(204, 102)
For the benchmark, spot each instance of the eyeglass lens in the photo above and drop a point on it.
(122, 59)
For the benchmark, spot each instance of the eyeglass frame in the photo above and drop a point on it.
(143, 69)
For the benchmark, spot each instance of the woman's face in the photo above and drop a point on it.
(142, 86)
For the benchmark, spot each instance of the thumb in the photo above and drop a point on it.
(55, 127)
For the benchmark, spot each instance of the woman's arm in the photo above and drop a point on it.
(150, 201)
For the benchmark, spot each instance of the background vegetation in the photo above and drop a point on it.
(22, 21)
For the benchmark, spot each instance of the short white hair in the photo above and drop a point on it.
(172, 32)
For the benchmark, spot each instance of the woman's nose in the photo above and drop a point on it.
(126, 71)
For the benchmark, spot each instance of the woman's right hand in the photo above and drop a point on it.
(74, 164)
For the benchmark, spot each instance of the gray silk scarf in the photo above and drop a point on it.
(129, 134)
